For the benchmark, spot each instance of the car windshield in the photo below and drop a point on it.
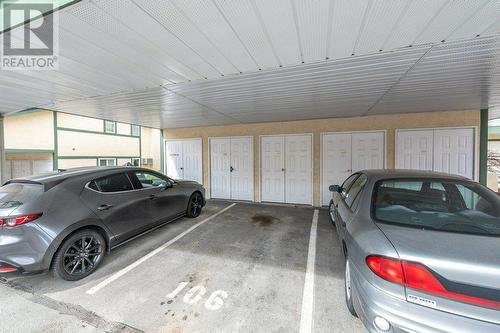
(445, 205)
(15, 194)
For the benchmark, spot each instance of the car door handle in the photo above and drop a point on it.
(152, 197)
(104, 207)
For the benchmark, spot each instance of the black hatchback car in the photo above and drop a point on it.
(68, 220)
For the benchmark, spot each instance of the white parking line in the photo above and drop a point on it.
(133, 265)
(306, 315)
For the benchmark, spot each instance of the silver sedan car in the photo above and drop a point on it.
(422, 251)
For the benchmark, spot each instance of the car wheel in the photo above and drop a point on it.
(331, 211)
(194, 206)
(348, 288)
(79, 255)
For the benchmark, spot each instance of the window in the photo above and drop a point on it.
(136, 162)
(347, 184)
(107, 162)
(109, 126)
(115, 183)
(15, 194)
(354, 192)
(93, 186)
(149, 179)
(135, 130)
(448, 205)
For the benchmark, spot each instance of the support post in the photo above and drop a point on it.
(55, 157)
(3, 169)
(483, 148)
(162, 153)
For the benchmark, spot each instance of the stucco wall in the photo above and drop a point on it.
(32, 130)
(382, 122)
(92, 144)
(150, 146)
(75, 163)
(79, 122)
(122, 128)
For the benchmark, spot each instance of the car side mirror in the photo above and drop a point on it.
(335, 188)
(165, 185)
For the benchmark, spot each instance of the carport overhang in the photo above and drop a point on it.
(179, 64)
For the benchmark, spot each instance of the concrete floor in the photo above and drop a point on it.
(241, 271)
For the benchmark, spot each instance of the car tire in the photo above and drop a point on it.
(348, 288)
(331, 211)
(79, 255)
(195, 205)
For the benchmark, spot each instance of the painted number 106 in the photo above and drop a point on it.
(196, 293)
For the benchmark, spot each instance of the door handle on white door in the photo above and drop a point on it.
(283, 169)
(231, 169)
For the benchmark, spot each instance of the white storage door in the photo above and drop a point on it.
(20, 168)
(220, 174)
(336, 162)
(414, 149)
(174, 159)
(184, 159)
(454, 151)
(242, 168)
(273, 168)
(298, 169)
(192, 160)
(42, 166)
(368, 151)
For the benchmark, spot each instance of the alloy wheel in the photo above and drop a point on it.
(82, 256)
(195, 206)
(332, 212)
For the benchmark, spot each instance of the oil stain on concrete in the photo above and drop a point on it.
(264, 220)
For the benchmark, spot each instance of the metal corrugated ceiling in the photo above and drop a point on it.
(184, 63)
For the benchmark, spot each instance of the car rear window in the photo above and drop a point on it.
(15, 194)
(454, 206)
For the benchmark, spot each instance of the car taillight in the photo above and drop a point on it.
(387, 268)
(419, 277)
(7, 269)
(14, 221)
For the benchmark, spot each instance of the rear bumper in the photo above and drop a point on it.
(405, 317)
(25, 248)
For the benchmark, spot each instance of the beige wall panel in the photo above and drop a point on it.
(28, 156)
(122, 161)
(76, 163)
(90, 144)
(79, 122)
(39, 125)
(318, 126)
(151, 145)
(122, 128)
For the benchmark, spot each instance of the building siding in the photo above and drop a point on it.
(71, 143)
(75, 141)
(32, 130)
